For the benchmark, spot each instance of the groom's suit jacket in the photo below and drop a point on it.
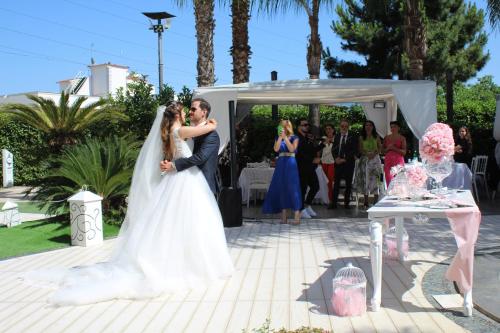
(205, 154)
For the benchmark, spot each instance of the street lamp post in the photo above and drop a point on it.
(158, 28)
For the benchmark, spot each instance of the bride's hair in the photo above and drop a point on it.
(169, 116)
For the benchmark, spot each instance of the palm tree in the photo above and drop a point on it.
(240, 50)
(314, 46)
(494, 13)
(62, 123)
(105, 166)
(205, 26)
(415, 39)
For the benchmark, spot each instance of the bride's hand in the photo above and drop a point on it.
(212, 122)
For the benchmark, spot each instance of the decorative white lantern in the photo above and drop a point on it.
(86, 218)
(10, 215)
(7, 168)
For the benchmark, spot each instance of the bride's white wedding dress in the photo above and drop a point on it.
(172, 238)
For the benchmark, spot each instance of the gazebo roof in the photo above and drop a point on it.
(416, 99)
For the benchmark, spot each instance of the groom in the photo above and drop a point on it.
(205, 150)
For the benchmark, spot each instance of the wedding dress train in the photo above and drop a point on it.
(172, 238)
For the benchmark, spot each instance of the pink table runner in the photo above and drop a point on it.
(464, 223)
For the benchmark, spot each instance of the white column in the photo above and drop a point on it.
(376, 262)
(7, 168)
(468, 304)
(86, 219)
(10, 215)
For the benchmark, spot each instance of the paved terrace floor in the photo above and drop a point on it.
(284, 273)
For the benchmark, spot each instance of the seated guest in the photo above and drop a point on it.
(344, 151)
(284, 190)
(369, 170)
(395, 149)
(307, 162)
(463, 146)
(327, 161)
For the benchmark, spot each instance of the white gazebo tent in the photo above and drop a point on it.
(416, 99)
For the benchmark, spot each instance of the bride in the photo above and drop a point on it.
(172, 237)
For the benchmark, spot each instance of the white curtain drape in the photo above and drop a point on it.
(496, 126)
(381, 117)
(418, 106)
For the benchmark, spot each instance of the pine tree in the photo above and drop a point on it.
(374, 29)
(456, 49)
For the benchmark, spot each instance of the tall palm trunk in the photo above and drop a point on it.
(314, 49)
(240, 50)
(205, 26)
(415, 41)
(450, 79)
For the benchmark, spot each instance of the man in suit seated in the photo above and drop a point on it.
(344, 151)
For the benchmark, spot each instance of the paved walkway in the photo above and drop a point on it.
(16, 194)
(283, 273)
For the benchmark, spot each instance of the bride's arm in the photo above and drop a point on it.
(191, 132)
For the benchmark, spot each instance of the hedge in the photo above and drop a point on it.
(28, 145)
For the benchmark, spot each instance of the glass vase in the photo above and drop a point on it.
(439, 171)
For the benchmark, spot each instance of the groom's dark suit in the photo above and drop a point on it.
(205, 154)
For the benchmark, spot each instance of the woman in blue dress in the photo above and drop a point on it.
(284, 192)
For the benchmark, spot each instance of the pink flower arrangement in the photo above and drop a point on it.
(437, 142)
(396, 169)
(416, 176)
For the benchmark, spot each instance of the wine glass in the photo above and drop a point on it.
(439, 171)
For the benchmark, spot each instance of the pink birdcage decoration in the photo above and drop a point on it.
(391, 244)
(349, 292)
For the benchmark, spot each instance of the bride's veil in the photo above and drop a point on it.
(146, 177)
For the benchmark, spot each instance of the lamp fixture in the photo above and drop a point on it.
(379, 104)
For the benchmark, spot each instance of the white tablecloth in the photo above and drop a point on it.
(262, 175)
(265, 175)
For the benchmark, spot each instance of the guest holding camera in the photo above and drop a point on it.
(284, 191)
(344, 151)
(327, 160)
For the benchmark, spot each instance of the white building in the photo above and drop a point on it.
(104, 80)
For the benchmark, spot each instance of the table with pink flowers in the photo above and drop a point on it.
(464, 217)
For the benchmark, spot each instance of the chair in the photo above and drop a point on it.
(257, 180)
(479, 164)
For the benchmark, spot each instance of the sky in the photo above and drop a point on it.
(43, 42)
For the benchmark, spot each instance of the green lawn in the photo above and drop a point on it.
(29, 207)
(39, 236)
